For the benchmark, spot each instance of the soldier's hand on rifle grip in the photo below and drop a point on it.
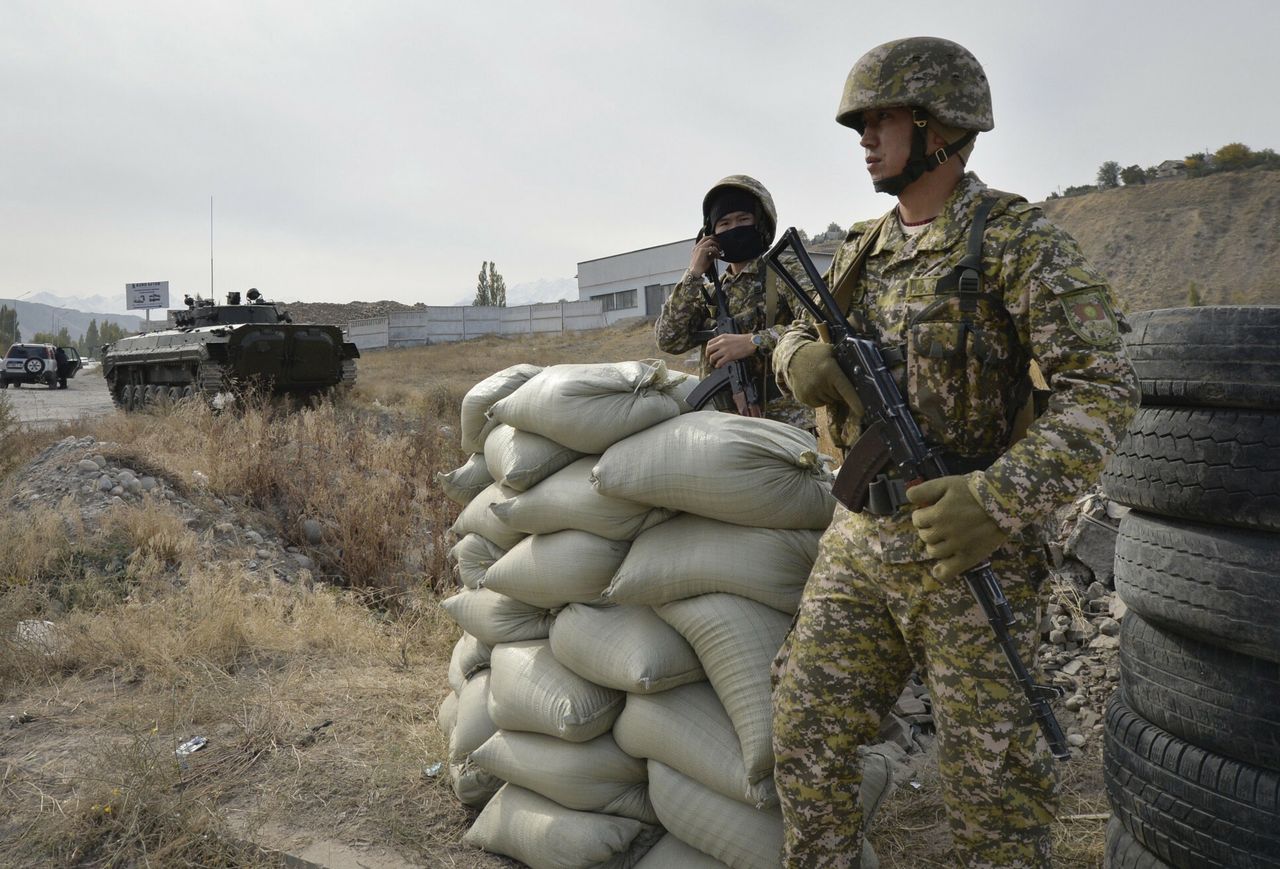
(723, 349)
(815, 379)
(704, 254)
(956, 530)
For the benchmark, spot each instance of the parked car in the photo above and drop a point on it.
(39, 363)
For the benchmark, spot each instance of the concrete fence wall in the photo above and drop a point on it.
(438, 324)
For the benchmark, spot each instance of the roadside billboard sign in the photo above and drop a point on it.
(153, 294)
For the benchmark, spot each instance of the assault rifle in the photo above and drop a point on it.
(892, 444)
(734, 376)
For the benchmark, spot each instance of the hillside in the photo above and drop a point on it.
(1219, 232)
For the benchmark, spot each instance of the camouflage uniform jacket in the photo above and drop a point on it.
(963, 370)
(686, 312)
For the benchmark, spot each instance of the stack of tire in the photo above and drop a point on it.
(1192, 749)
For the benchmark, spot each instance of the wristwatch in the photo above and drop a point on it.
(757, 339)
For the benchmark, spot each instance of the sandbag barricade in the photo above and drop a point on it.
(622, 627)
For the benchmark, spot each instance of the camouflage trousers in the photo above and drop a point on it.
(862, 628)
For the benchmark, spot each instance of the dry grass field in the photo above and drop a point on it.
(317, 692)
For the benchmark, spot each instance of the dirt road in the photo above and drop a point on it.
(86, 395)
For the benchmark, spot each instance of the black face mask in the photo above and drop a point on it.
(740, 244)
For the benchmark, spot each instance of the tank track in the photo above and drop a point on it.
(348, 372)
(212, 379)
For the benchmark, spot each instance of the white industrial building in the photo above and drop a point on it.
(636, 283)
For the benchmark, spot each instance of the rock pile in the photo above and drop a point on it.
(78, 472)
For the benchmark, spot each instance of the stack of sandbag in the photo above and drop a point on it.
(627, 576)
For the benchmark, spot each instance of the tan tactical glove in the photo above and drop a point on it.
(954, 527)
(815, 378)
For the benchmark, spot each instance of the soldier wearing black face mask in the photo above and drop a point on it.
(738, 225)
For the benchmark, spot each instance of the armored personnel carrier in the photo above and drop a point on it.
(216, 349)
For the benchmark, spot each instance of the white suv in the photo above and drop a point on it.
(39, 363)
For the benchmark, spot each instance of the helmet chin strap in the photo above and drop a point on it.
(918, 162)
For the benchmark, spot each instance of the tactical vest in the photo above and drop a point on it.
(962, 366)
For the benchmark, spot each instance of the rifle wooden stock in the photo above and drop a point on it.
(866, 459)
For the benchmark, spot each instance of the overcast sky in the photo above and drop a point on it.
(383, 150)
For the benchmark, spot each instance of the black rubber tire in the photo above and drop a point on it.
(1126, 852)
(1218, 585)
(1188, 806)
(1215, 356)
(1211, 465)
(1220, 700)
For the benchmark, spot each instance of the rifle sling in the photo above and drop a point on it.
(843, 288)
(770, 295)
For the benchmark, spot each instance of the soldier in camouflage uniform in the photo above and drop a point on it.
(886, 594)
(738, 225)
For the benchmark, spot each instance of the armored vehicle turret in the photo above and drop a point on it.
(214, 350)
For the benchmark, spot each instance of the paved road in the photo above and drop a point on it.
(86, 395)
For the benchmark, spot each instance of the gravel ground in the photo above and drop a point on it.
(86, 395)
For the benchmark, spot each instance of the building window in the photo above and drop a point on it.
(620, 301)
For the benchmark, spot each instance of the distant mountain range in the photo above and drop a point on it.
(74, 313)
(114, 304)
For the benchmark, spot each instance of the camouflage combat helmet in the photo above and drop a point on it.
(767, 218)
(936, 79)
(922, 72)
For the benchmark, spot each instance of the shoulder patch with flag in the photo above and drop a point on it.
(1090, 316)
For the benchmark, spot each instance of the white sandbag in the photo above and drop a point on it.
(594, 776)
(687, 729)
(682, 390)
(447, 714)
(477, 518)
(494, 618)
(551, 570)
(736, 640)
(472, 556)
(567, 499)
(520, 459)
(474, 726)
(623, 647)
(671, 853)
(692, 555)
(472, 729)
(476, 424)
(465, 482)
(531, 691)
(731, 832)
(737, 469)
(472, 785)
(469, 657)
(590, 407)
(545, 835)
